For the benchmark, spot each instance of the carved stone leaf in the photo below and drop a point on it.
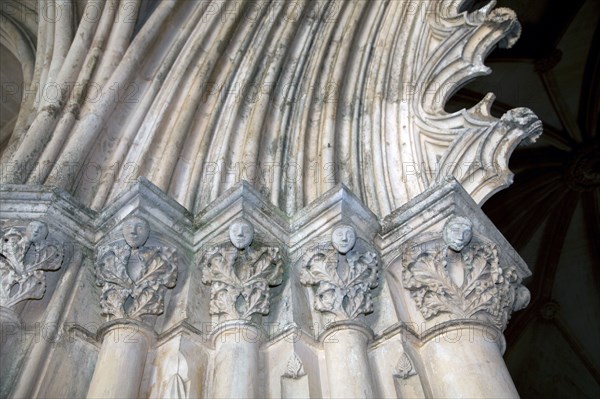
(112, 301)
(344, 293)
(295, 368)
(223, 299)
(357, 301)
(363, 267)
(159, 271)
(219, 267)
(328, 297)
(47, 257)
(111, 267)
(240, 279)
(404, 367)
(430, 286)
(23, 263)
(149, 300)
(320, 267)
(485, 293)
(8, 277)
(267, 267)
(160, 268)
(30, 286)
(256, 299)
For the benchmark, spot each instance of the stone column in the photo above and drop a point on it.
(11, 330)
(10, 342)
(134, 277)
(456, 281)
(236, 361)
(120, 365)
(465, 361)
(239, 274)
(344, 275)
(348, 370)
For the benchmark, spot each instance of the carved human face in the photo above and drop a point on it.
(136, 231)
(241, 233)
(343, 239)
(37, 231)
(458, 233)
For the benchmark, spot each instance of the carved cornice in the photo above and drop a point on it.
(29, 202)
(25, 255)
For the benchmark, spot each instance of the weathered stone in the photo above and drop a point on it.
(320, 238)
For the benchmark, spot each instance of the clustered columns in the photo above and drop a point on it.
(455, 282)
(239, 274)
(134, 278)
(413, 305)
(343, 278)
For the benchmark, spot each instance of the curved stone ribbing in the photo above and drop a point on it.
(292, 96)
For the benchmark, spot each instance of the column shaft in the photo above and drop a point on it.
(465, 362)
(10, 345)
(120, 365)
(348, 363)
(236, 362)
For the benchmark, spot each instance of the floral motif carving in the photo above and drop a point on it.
(134, 277)
(24, 257)
(463, 278)
(295, 368)
(240, 274)
(343, 277)
(404, 367)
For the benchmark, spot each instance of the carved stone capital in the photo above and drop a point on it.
(134, 276)
(25, 255)
(240, 274)
(461, 274)
(343, 277)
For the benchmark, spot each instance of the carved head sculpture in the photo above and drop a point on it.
(241, 233)
(458, 232)
(136, 231)
(343, 238)
(36, 232)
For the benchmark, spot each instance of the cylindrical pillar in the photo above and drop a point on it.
(236, 361)
(348, 369)
(10, 343)
(120, 365)
(10, 324)
(464, 361)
